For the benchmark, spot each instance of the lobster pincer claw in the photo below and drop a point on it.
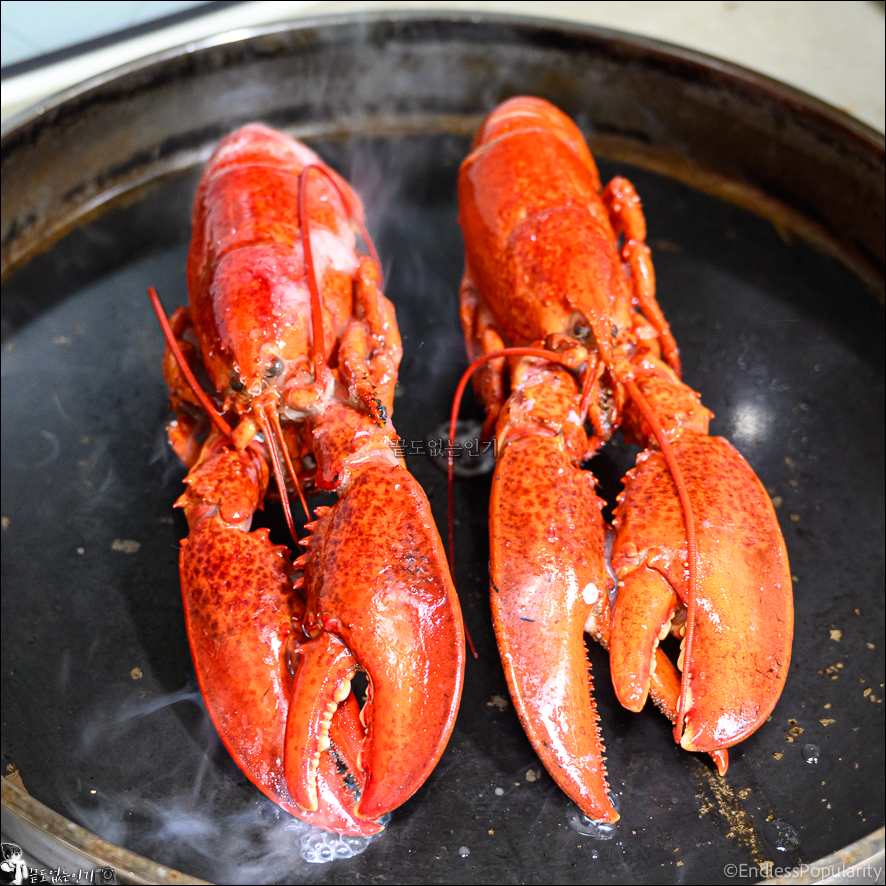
(739, 603)
(241, 608)
(548, 573)
(322, 681)
(378, 586)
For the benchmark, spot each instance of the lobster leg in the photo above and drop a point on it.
(370, 348)
(240, 609)
(738, 570)
(547, 574)
(626, 216)
(379, 595)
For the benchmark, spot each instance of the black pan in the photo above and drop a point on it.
(765, 212)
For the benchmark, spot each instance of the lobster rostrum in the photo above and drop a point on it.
(290, 335)
(560, 318)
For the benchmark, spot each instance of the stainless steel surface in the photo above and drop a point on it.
(53, 841)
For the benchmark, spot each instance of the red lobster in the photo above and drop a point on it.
(299, 349)
(565, 328)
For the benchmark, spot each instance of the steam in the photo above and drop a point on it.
(255, 842)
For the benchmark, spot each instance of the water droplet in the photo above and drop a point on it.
(785, 837)
(463, 851)
(811, 753)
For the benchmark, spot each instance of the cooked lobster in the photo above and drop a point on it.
(297, 348)
(565, 332)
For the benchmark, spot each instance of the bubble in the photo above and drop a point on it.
(785, 837)
(499, 792)
(599, 830)
(320, 847)
(463, 851)
(811, 753)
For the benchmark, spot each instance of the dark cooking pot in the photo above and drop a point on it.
(765, 212)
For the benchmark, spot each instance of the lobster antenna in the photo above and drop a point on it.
(689, 518)
(268, 429)
(317, 336)
(169, 335)
(318, 339)
(278, 435)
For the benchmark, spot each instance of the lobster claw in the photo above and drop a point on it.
(739, 604)
(549, 578)
(240, 609)
(379, 596)
(545, 585)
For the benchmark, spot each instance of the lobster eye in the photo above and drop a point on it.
(235, 383)
(275, 368)
(579, 327)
